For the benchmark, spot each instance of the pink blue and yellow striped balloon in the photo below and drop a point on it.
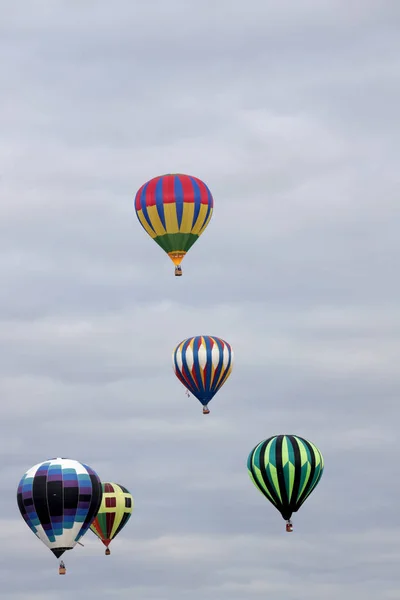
(174, 210)
(203, 364)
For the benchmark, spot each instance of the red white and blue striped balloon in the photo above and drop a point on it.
(203, 364)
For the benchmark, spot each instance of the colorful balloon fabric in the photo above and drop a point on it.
(59, 499)
(174, 210)
(286, 469)
(203, 364)
(115, 511)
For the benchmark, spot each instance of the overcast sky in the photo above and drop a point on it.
(289, 111)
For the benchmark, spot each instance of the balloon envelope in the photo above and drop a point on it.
(58, 500)
(114, 513)
(203, 364)
(286, 469)
(174, 210)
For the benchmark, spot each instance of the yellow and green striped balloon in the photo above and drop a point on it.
(286, 469)
(114, 513)
(174, 210)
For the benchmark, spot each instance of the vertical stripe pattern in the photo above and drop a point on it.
(115, 511)
(58, 499)
(174, 210)
(286, 469)
(203, 364)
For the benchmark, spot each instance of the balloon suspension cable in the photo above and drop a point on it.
(80, 544)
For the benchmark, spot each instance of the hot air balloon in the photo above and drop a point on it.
(59, 499)
(286, 469)
(203, 364)
(174, 210)
(115, 511)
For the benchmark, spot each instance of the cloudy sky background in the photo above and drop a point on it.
(289, 112)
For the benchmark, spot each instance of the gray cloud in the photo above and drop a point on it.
(289, 112)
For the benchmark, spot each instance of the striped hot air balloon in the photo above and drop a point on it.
(203, 364)
(115, 511)
(286, 469)
(59, 499)
(174, 210)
